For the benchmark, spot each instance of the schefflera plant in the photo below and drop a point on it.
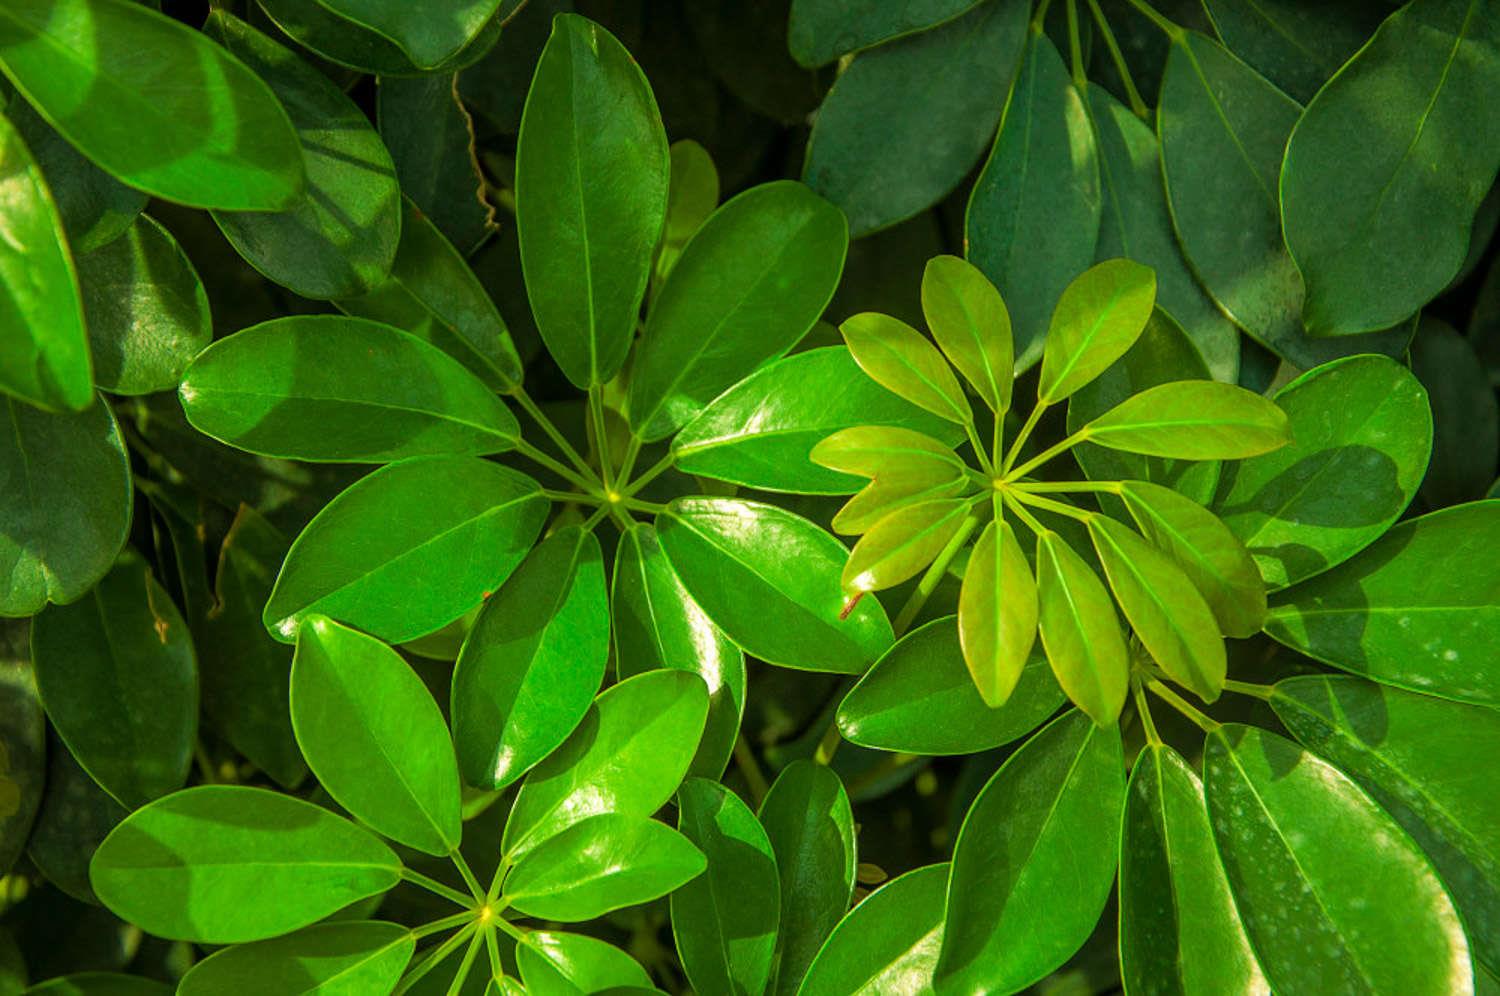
(1181, 579)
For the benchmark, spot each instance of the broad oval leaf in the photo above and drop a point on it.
(1315, 865)
(747, 287)
(903, 361)
(770, 580)
(591, 197)
(374, 737)
(220, 864)
(887, 943)
(192, 124)
(822, 30)
(876, 451)
(342, 390)
(429, 34)
(532, 663)
(1192, 420)
(724, 921)
(318, 29)
(362, 956)
(1295, 45)
(968, 319)
(1099, 316)
(1080, 631)
(23, 742)
(1050, 814)
(557, 964)
(997, 613)
(117, 674)
(902, 544)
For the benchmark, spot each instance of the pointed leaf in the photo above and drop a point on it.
(362, 956)
(1193, 420)
(888, 451)
(1098, 318)
(997, 613)
(902, 360)
(887, 943)
(889, 493)
(428, 35)
(823, 30)
(1080, 631)
(969, 321)
(344, 43)
(1295, 45)
(901, 545)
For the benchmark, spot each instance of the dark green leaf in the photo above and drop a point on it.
(362, 956)
(345, 43)
(1465, 415)
(823, 30)
(556, 964)
(1098, 318)
(997, 613)
(429, 34)
(887, 943)
(22, 743)
(904, 362)
(1192, 420)
(99, 984)
(1295, 45)
(1080, 631)
(692, 195)
(75, 816)
(968, 319)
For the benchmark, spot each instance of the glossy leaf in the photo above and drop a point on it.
(770, 580)
(724, 921)
(118, 677)
(969, 321)
(1080, 631)
(344, 43)
(1314, 865)
(221, 864)
(887, 943)
(903, 361)
(823, 30)
(997, 613)
(409, 548)
(747, 287)
(892, 492)
(591, 197)
(191, 124)
(557, 964)
(1098, 318)
(532, 662)
(429, 34)
(374, 737)
(23, 743)
(1192, 420)
(1050, 814)
(329, 958)
(874, 451)
(902, 544)
(811, 829)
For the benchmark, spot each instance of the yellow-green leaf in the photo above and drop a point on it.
(901, 360)
(1080, 631)
(1098, 318)
(969, 320)
(877, 450)
(902, 544)
(997, 613)
(1193, 420)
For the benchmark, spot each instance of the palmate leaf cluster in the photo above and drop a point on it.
(451, 547)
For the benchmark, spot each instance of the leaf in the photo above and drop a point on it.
(1098, 318)
(759, 432)
(532, 662)
(220, 864)
(1361, 433)
(65, 504)
(627, 756)
(344, 43)
(997, 613)
(339, 237)
(889, 942)
(74, 818)
(902, 360)
(1179, 930)
(1050, 814)
(747, 287)
(1192, 420)
(458, 524)
(429, 35)
(1033, 217)
(969, 321)
(891, 492)
(343, 390)
(1465, 415)
(656, 624)
(557, 964)
(823, 30)
(1414, 755)
(811, 829)
(361, 956)
(692, 195)
(725, 921)
(1376, 206)
(874, 451)
(99, 984)
(591, 197)
(1080, 631)
(203, 130)
(770, 580)
(1314, 865)
(22, 743)
(902, 544)
(44, 350)
(117, 675)
(1418, 609)
(1209, 554)
(602, 863)
(374, 737)
(938, 95)
(1297, 46)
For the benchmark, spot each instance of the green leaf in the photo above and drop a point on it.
(903, 361)
(920, 699)
(1050, 814)
(374, 737)
(823, 30)
(889, 942)
(1210, 555)
(1179, 930)
(434, 295)
(902, 544)
(338, 238)
(875, 451)
(44, 350)
(1415, 756)
(692, 195)
(362, 956)
(1418, 609)
(220, 864)
(557, 964)
(1192, 420)
(748, 287)
(117, 675)
(770, 580)
(724, 921)
(1376, 201)
(75, 817)
(1033, 217)
(429, 34)
(320, 30)
(600, 864)
(99, 984)
(67, 513)
(891, 492)
(658, 625)
(22, 743)
(1098, 318)
(460, 524)
(969, 321)
(1295, 45)
(811, 829)
(627, 756)
(532, 662)
(1080, 631)
(341, 390)
(997, 613)
(591, 197)
(1315, 866)
(937, 95)
(1465, 415)
(759, 433)
(191, 124)
(1361, 433)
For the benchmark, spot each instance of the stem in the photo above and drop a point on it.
(538, 456)
(1048, 454)
(1182, 705)
(462, 975)
(888, 766)
(1075, 48)
(649, 507)
(1022, 436)
(935, 572)
(623, 522)
(1150, 13)
(1041, 14)
(1064, 487)
(1118, 58)
(632, 450)
(433, 957)
(205, 766)
(511, 930)
(553, 433)
(1055, 507)
(438, 926)
(829, 745)
(508, 18)
(434, 886)
(492, 948)
(1262, 692)
(571, 496)
(468, 875)
(984, 458)
(1031, 521)
(601, 437)
(597, 516)
(657, 469)
(1142, 707)
(744, 759)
